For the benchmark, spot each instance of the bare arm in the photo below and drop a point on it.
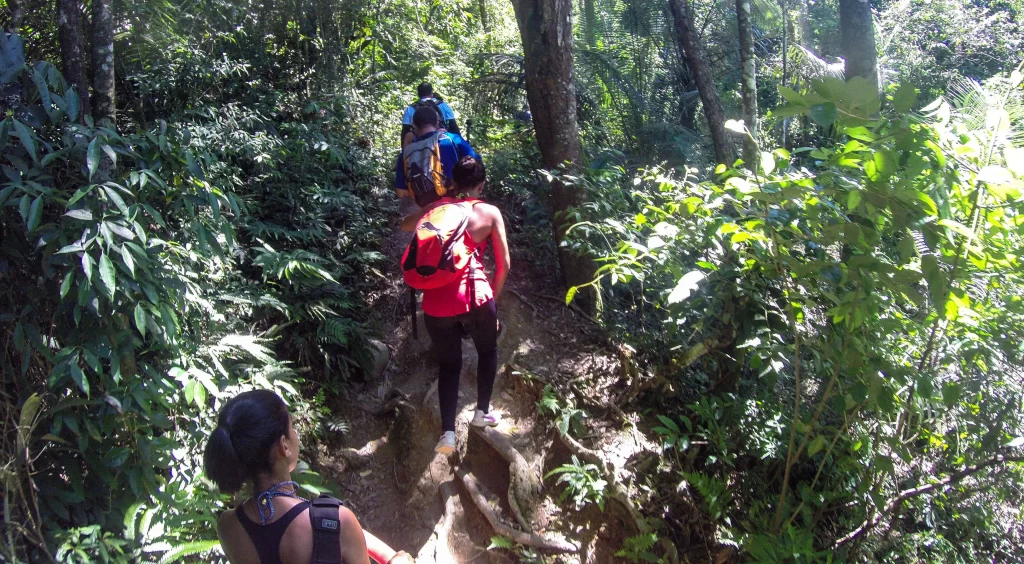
(409, 222)
(224, 532)
(377, 549)
(353, 543)
(502, 262)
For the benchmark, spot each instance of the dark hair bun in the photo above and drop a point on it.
(248, 427)
(468, 173)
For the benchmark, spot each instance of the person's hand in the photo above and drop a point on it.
(402, 557)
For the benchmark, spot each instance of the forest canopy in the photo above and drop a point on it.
(793, 226)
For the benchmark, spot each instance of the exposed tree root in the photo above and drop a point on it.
(525, 481)
(437, 549)
(479, 495)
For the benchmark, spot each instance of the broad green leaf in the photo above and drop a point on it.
(790, 95)
(107, 275)
(140, 319)
(27, 139)
(65, 286)
(84, 215)
(72, 104)
(92, 157)
(35, 214)
(767, 163)
(80, 379)
(904, 98)
(853, 200)
(816, 445)
(27, 418)
(126, 256)
(87, 266)
(823, 114)
(80, 194)
(686, 285)
(116, 198)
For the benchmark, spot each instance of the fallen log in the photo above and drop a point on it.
(479, 495)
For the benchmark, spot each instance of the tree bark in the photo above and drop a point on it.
(103, 62)
(698, 61)
(748, 82)
(857, 40)
(546, 30)
(17, 8)
(69, 22)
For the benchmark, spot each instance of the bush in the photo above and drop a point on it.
(148, 276)
(848, 317)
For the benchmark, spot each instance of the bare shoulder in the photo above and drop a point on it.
(227, 523)
(488, 210)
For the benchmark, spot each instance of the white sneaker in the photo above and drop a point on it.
(446, 445)
(481, 419)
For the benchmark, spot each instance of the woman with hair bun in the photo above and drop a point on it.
(468, 303)
(255, 443)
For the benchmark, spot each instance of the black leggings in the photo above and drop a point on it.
(482, 324)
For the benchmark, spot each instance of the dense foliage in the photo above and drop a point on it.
(843, 327)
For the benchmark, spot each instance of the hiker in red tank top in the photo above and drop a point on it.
(468, 303)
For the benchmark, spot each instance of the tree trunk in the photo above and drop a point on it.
(857, 40)
(485, 24)
(103, 62)
(546, 30)
(748, 83)
(698, 61)
(806, 32)
(17, 8)
(69, 22)
(590, 23)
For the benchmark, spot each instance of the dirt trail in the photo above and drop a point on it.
(386, 466)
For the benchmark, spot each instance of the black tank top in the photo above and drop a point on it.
(267, 538)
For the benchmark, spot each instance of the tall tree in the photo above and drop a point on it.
(103, 61)
(69, 22)
(748, 82)
(545, 27)
(485, 23)
(17, 8)
(589, 23)
(857, 39)
(705, 80)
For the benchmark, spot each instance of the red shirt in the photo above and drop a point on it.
(453, 299)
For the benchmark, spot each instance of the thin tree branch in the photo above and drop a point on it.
(897, 501)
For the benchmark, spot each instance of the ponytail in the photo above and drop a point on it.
(221, 463)
(248, 427)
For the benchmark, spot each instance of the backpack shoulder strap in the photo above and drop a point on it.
(323, 515)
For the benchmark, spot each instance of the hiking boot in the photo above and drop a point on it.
(481, 419)
(446, 445)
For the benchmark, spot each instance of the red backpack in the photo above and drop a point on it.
(440, 250)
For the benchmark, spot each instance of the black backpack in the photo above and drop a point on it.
(323, 515)
(432, 103)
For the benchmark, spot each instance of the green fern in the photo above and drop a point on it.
(335, 330)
